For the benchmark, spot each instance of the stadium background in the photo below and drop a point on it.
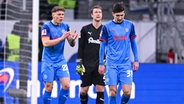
(159, 26)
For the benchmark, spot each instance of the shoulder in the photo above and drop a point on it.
(128, 21)
(87, 26)
(109, 23)
(46, 25)
(64, 24)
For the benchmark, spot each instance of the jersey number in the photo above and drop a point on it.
(64, 67)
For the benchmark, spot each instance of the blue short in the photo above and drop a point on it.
(54, 71)
(118, 74)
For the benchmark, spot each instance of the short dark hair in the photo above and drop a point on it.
(118, 7)
(57, 8)
(95, 7)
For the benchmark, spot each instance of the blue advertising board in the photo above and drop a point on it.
(153, 84)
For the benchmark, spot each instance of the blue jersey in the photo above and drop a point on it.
(118, 39)
(54, 53)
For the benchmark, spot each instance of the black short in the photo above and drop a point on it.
(91, 76)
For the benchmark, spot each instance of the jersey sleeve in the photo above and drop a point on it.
(134, 50)
(81, 43)
(67, 27)
(45, 31)
(102, 52)
(132, 33)
(103, 40)
(104, 34)
(133, 43)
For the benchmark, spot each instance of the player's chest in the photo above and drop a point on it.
(93, 33)
(119, 33)
(57, 32)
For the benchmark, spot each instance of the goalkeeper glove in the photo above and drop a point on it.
(80, 67)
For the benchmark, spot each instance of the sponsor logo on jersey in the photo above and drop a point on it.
(116, 37)
(91, 40)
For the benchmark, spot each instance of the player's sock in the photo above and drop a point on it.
(84, 99)
(124, 99)
(63, 95)
(46, 97)
(100, 98)
(112, 99)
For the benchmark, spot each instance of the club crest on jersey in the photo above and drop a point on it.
(126, 29)
(44, 32)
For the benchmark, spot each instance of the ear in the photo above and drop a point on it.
(52, 15)
(92, 15)
(113, 14)
(124, 13)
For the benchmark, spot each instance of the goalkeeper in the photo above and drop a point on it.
(88, 57)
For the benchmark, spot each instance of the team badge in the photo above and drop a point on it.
(126, 29)
(44, 32)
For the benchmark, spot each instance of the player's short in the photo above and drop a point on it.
(91, 76)
(118, 74)
(54, 71)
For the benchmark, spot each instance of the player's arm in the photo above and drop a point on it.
(135, 52)
(134, 49)
(102, 53)
(81, 43)
(47, 42)
(101, 68)
(71, 38)
(103, 42)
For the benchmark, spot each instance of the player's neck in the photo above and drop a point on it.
(55, 23)
(97, 24)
